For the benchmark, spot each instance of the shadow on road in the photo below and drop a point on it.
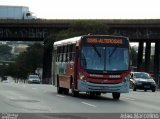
(85, 96)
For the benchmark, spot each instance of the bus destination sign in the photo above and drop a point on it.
(105, 40)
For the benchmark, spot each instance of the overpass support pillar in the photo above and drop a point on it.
(47, 61)
(140, 56)
(156, 62)
(147, 56)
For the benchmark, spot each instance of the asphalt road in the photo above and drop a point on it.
(31, 99)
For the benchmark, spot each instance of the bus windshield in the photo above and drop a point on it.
(104, 58)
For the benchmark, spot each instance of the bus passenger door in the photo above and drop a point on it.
(76, 66)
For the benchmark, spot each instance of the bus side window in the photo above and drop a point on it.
(55, 55)
(58, 54)
(71, 52)
(65, 54)
(62, 54)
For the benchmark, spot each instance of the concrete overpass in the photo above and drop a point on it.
(141, 31)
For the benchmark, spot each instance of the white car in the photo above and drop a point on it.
(34, 79)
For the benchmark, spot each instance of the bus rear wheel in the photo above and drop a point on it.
(66, 91)
(59, 89)
(116, 96)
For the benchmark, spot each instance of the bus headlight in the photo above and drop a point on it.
(82, 77)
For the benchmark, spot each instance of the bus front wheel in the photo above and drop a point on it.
(116, 96)
(73, 92)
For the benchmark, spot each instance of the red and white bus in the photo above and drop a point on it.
(92, 63)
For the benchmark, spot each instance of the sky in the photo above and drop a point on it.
(90, 9)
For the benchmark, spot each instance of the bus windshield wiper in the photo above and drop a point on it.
(113, 51)
(95, 49)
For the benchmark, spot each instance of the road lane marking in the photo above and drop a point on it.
(129, 98)
(88, 104)
(24, 86)
(60, 96)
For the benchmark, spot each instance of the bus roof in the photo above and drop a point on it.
(78, 38)
(67, 41)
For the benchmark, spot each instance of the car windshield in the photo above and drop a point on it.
(33, 76)
(142, 75)
(104, 58)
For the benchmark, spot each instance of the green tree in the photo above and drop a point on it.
(5, 49)
(5, 52)
(82, 27)
(34, 57)
(27, 62)
(78, 28)
(2, 70)
(133, 56)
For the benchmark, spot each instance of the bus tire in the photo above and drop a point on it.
(116, 96)
(66, 91)
(71, 80)
(59, 89)
(73, 92)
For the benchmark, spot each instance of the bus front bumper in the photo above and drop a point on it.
(84, 86)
